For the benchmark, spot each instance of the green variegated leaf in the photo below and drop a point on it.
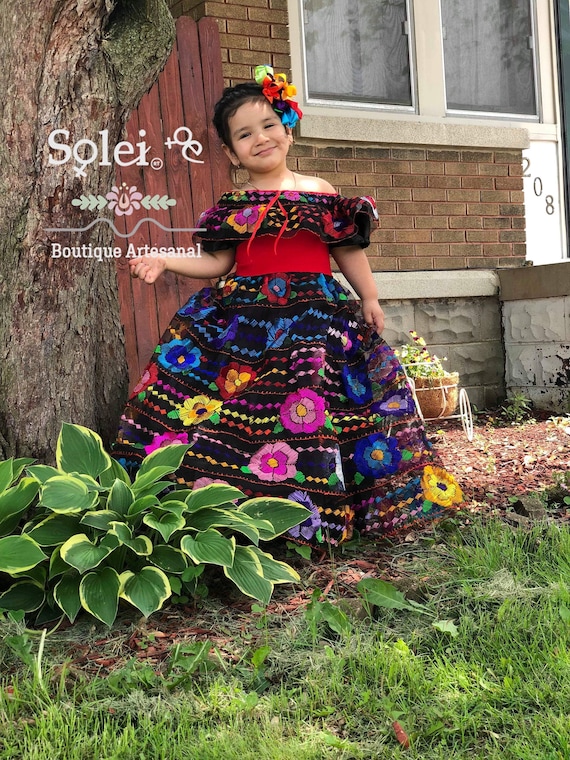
(179, 494)
(100, 518)
(141, 504)
(54, 530)
(81, 450)
(170, 456)
(67, 494)
(247, 573)
(168, 558)
(114, 472)
(18, 554)
(176, 507)
(120, 497)
(6, 474)
(19, 465)
(141, 545)
(274, 570)
(25, 595)
(223, 518)
(56, 565)
(66, 595)
(146, 590)
(166, 524)
(209, 547)
(42, 472)
(14, 502)
(80, 553)
(213, 495)
(143, 484)
(99, 594)
(281, 513)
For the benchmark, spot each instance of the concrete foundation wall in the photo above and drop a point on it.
(536, 322)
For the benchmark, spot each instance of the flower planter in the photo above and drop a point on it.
(437, 396)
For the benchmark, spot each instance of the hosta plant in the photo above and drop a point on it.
(93, 537)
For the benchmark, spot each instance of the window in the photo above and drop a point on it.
(357, 51)
(489, 56)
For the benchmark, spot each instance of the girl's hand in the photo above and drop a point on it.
(147, 268)
(373, 314)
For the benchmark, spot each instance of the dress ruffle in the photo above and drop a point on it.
(338, 221)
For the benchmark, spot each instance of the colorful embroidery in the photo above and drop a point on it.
(282, 390)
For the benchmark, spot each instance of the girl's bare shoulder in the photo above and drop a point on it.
(313, 184)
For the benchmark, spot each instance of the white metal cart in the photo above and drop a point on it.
(464, 414)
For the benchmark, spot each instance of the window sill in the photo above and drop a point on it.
(402, 130)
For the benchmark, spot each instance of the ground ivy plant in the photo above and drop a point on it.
(83, 535)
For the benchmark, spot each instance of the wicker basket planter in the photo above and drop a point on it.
(437, 396)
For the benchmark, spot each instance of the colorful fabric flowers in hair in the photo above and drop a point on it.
(279, 92)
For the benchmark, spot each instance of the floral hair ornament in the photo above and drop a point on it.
(278, 92)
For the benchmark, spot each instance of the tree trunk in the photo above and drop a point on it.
(82, 66)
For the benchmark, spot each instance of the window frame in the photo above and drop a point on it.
(500, 115)
(359, 105)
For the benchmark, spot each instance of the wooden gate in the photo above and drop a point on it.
(184, 95)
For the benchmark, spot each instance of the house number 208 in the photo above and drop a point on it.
(537, 187)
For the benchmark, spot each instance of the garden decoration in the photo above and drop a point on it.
(436, 391)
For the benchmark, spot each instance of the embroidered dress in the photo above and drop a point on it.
(278, 384)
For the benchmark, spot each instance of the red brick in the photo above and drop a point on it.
(495, 196)
(482, 236)
(465, 249)
(397, 249)
(465, 222)
(392, 167)
(386, 208)
(519, 249)
(338, 178)
(247, 28)
(516, 170)
(483, 209)
(443, 155)
(463, 195)
(397, 222)
(481, 183)
(409, 180)
(518, 223)
(234, 41)
(268, 45)
(431, 222)
(478, 156)
(224, 10)
(508, 157)
(511, 210)
(516, 196)
(428, 194)
(317, 164)
(449, 209)
(460, 168)
(413, 236)
(375, 180)
(394, 194)
(482, 263)
(451, 262)
(496, 222)
(279, 31)
(494, 170)
(444, 181)
(335, 151)
(512, 236)
(432, 249)
(448, 236)
(496, 249)
(427, 167)
(372, 152)
(409, 154)
(384, 264)
(509, 183)
(354, 165)
(416, 264)
(282, 62)
(415, 209)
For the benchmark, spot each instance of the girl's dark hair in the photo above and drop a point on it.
(232, 98)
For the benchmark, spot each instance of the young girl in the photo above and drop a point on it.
(278, 378)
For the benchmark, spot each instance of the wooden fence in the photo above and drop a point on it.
(184, 95)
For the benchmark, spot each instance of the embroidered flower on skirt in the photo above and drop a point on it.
(277, 288)
(165, 439)
(357, 384)
(274, 462)
(395, 403)
(197, 409)
(311, 527)
(303, 411)
(179, 356)
(149, 376)
(234, 378)
(440, 487)
(377, 455)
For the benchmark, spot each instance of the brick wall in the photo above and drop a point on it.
(439, 208)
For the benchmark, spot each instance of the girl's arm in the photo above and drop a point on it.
(206, 267)
(353, 263)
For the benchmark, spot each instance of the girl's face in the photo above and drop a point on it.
(259, 141)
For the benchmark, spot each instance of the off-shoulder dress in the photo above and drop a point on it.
(280, 386)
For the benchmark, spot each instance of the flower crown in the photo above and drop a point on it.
(278, 92)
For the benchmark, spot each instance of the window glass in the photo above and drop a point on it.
(489, 56)
(358, 51)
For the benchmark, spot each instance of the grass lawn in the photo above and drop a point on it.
(290, 686)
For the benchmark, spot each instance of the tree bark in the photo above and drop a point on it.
(79, 65)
